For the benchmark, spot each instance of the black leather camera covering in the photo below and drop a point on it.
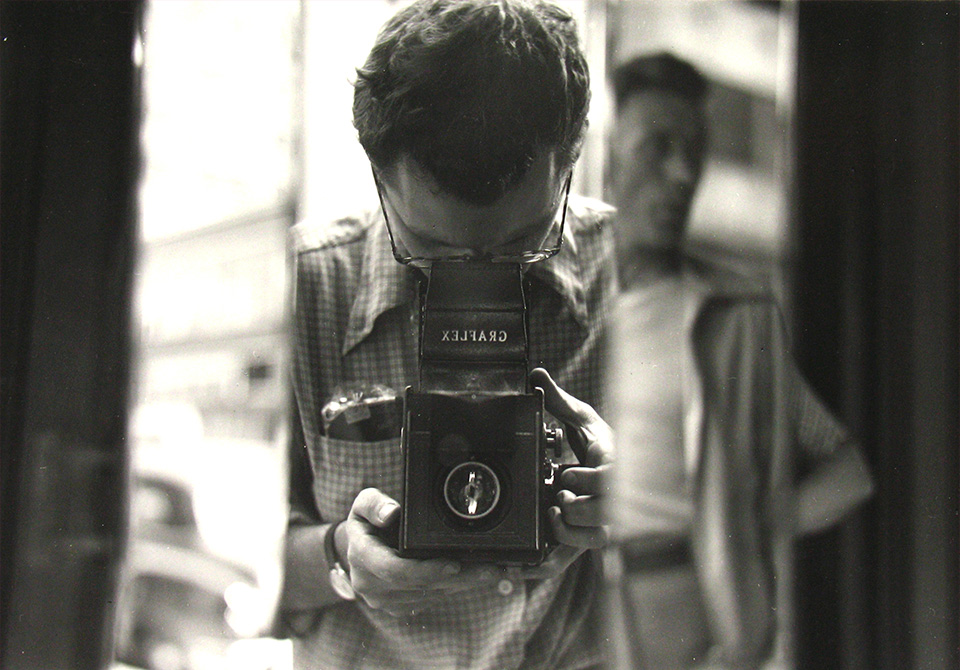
(505, 433)
(473, 334)
(473, 406)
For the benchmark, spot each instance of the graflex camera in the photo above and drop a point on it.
(478, 472)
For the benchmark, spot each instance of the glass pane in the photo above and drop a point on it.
(208, 453)
(746, 50)
(665, 607)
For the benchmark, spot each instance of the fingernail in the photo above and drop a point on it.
(383, 514)
(451, 568)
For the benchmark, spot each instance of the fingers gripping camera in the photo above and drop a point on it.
(478, 472)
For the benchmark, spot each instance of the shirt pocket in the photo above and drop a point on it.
(346, 467)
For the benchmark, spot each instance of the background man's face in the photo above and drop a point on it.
(657, 156)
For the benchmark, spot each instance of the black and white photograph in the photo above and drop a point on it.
(480, 334)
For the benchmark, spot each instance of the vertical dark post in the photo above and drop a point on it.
(876, 298)
(69, 137)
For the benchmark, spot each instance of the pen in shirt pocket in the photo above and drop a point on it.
(362, 413)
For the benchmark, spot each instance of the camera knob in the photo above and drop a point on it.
(554, 438)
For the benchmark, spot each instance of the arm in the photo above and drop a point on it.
(306, 585)
(832, 490)
(835, 479)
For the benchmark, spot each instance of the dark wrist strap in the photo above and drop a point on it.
(330, 545)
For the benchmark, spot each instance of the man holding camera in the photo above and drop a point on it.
(472, 113)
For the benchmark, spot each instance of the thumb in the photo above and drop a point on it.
(560, 403)
(586, 431)
(375, 507)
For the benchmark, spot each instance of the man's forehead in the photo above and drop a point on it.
(407, 176)
(661, 106)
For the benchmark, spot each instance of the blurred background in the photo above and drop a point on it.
(153, 156)
(219, 187)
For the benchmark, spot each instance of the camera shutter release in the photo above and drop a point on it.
(471, 490)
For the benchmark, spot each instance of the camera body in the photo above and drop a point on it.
(478, 468)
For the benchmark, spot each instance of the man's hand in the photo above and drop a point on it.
(400, 586)
(578, 521)
(403, 586)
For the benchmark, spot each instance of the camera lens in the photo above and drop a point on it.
(471, 490)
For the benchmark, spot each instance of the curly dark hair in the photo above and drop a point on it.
(661, 71)
(474, 91)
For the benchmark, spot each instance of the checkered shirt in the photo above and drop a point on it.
(356, 324)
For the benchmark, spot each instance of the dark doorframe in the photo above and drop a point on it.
(68, 157)
(876, 315)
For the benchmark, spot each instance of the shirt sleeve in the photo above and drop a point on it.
(303, 507)
(819, 433)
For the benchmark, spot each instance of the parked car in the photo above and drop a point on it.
(190, 589)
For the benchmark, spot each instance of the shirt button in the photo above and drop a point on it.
(505, 587)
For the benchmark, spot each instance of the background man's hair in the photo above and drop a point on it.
(474, 91)
(660, 71)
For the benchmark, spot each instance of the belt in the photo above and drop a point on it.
(640, 557)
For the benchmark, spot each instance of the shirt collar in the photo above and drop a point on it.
(386, 284)
(563, 273)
